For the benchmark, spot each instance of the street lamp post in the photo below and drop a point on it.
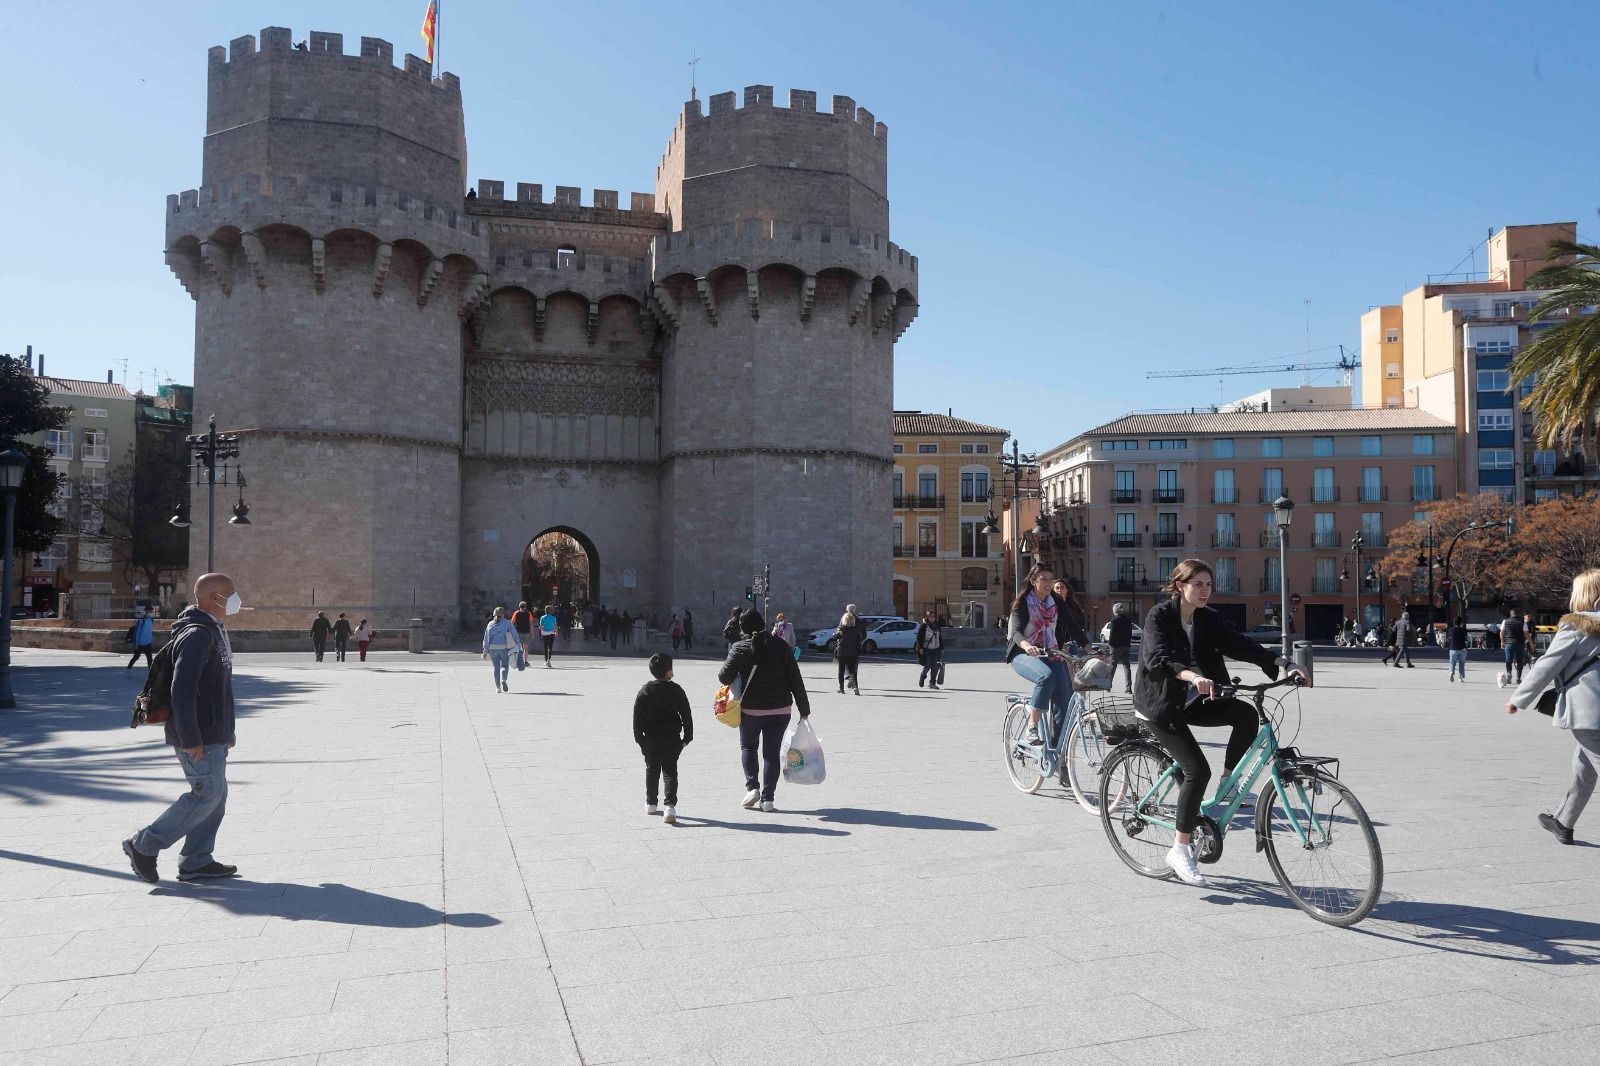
(1013, 465)
(209, 449)
(13, 463)
(1283, 513)
(1449, 584)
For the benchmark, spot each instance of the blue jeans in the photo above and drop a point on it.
(1052, 687)
(500, 660)
(1514, 657)
(196, 815)
(1458, 663)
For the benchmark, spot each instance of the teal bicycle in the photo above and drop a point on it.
(1317, 836)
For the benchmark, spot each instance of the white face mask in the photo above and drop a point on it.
(232, 604)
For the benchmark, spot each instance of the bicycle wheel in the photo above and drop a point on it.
(1086, 753)
(1336, 875)
(1129, 774)
(1022, 759)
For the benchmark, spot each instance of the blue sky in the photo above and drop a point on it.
(1095, 190)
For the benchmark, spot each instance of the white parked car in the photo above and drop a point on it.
(894, 635)
(822, 639)
(1105, 633)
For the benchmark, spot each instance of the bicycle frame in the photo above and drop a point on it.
(1052, 752)
(1261, 757)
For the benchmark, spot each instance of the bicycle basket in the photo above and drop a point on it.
(1116, 717)
(1090, 673)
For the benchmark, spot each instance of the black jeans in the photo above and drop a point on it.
(1395, 651)
(147, 650)
(319, 646)
(1122, 657)
(1179, 742)
(661, 761)
(340, 646)
(549, 640)
(765, 731)
(848, 666)
(932, 659)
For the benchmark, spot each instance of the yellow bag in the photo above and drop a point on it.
(727, 707)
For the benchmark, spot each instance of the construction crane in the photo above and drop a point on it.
(1347, 362)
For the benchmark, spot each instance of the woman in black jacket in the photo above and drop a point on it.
(1069, 615)
(847, 649)
(771, 684)
(1180, 668)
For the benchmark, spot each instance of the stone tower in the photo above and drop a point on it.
(783, 298)
(332, 267)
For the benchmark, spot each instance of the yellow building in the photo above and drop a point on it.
(1383, 378)
(944, 558)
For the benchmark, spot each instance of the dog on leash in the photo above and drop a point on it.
(1503, 679)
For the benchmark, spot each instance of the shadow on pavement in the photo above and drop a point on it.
(339, 904)
(104, 759)
(1485, 932)
(896, 820)
(761, 827)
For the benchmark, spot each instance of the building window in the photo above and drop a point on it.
(1271, 484)
(1391, 336)
(1271, 447)
(1422, 444)
(1271, 576)
(1165, 565)
(899, 535)
(94, 555)
(1371, 444)
(1371, 484)
(94, 412)
(927, 540)
(1391, 370)
(1323, 535)
(1544, 495)
(899, 481)
(1489, 421)
(1168, 444)
(1127, 535)
(974, 541)
(899, 449)
(1323, 489)
(966, 449)
(974, 486)
(927, 485)
(1495, 459)
(928, 449)
(1544, 463)
(1119, 445)
(91, 520)
(53, 557)
(58, 442)
(1500, 347)
(1372, 529)
(1226, 533)
(1326, 579)
(1423, 486)
(1223, 489)
(1222, 448)
(96, 446)
(1321, 446)
(95, 484)
(1227, 574)
(1507, 493)
(974, 579)
(566, 256)
(1494, 380)
(1167, 490)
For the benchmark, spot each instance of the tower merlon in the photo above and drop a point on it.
(754, 243)
(604, 204)
(800, 101)
(323, 46)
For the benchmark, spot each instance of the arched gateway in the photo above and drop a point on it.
(560, 565)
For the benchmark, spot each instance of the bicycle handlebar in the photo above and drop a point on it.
(1288, 680)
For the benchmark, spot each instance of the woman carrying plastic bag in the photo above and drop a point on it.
(802, 755)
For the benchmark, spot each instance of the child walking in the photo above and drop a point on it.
(660, 712)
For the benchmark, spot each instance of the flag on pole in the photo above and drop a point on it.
(430, 27)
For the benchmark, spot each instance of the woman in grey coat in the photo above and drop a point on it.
(1572, 664)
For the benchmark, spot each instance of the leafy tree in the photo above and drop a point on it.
(1564, 360)
(1483, 562)
(1556, 541)
(130, 509)
(24, 411)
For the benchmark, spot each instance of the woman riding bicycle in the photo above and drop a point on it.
(1180, 669)
(1033, 637)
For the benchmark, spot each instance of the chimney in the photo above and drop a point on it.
(30, 358)
(109, 379)
(41, 361)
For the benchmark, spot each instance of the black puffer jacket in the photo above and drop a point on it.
(777, 682)
(1165, 652)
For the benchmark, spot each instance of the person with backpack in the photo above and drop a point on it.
(143, 637)
(929, 646)
(201, 732)
(320, 627)
(1514, 635)
(341, 637)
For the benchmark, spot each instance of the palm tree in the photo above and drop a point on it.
(1564, 360)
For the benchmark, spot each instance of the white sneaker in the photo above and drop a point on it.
(672, 816)
(652, 809)
(767, 807)
(751, 798)
(1181, 859)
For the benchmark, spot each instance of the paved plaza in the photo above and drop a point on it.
(433, 872)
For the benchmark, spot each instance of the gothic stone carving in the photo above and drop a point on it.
(560, 388)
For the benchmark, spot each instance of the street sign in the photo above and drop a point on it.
(1294, 598)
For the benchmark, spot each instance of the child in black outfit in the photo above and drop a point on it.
(660, 710)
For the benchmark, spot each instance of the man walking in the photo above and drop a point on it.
(522, 622)
(320, 627)
(143, 635)
(1514, 634)
(201, 732)
(1402, 641)
(929, 645)
(1458, 648)
(730, 628)
(341, 637)
(1121, 641)
(688, 629)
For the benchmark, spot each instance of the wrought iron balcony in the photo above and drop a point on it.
(1168, 496)
(1324, 494)
(1421, 493)
(920, 503)
(1225, 495)
(1269, 539)
(1132, 584)
(1271, 584)
(1373, 493)
(1126, 495)
(904, 551)
(1325, 538)
(1126, 540)
(1225, 540)
(1230, 584)
(1324, 584)
(1169, 540)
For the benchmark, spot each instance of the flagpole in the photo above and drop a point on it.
(438, 21)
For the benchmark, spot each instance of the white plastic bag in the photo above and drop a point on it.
(802, 755)
(1096, 673)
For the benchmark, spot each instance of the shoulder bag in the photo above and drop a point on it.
(729, 707)
(1547, 700)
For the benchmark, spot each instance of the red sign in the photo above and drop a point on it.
(1444, 584)
(1294, 598)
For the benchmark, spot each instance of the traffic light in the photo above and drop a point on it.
(750, 593)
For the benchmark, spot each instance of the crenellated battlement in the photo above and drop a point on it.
(321, 47)
(801, 102)
(567, 204)
(284, 190)
(754, 242)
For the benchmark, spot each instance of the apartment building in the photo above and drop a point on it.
(1446, 349)
(99, 435)
(1127, 500)
(944, 556)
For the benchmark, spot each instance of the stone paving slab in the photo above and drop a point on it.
(435, 872)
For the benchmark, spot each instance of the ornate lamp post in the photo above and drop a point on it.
(13, 463)
(1449, 585)
(1014, 465)
(210, 449)
(1283, 514)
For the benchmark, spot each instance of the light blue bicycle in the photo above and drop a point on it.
(1074, 750)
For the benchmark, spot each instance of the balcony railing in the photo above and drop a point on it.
(1126, 495)
(1168, 496)
(58, 449)
(1132, 584)
(927, 551)
(921, 503)
(1562, 469)
(1264, 496)
(1373, 493)
(1226, 584)
(1269, 539)
(904, 551)
(1324, 584)
(1224, 495)
(1169, 540)
(1126, 540)
(1271, 584)
(1325, 538)
(1075, 540)
(1369, 542)
(1324, 493)
(97, 453)
(1077, 499)
(1420, 493)
(1225, 540)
